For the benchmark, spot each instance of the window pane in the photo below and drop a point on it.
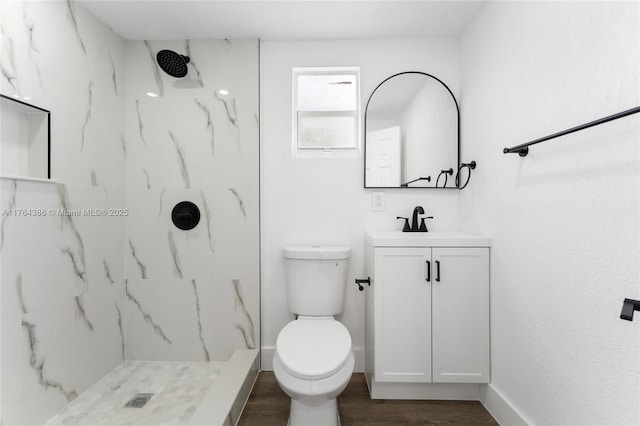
(323, 92)
(326, 131)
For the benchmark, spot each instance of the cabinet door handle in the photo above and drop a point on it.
(428, 271)
(438, 270)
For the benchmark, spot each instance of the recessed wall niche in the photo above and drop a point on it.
(25, 144)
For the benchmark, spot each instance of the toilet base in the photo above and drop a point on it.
(325, 414)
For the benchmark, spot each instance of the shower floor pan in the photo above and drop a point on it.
(153, 393)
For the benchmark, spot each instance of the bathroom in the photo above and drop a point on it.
(563, 221)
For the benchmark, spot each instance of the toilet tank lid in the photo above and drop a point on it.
(317, 252)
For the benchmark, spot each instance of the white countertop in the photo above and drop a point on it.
(397, 238)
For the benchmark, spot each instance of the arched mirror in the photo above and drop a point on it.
(412, 133)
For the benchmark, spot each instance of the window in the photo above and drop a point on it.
(326, 111)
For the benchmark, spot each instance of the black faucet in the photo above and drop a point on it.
(414, 222)
(406, 227)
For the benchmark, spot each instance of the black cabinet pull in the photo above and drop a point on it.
(428, 271)
(438, 270)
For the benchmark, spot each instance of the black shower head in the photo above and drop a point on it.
(173, 63)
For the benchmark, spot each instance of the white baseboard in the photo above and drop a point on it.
(500, 407)
(267, 352)
(424, 391)
(266, 358)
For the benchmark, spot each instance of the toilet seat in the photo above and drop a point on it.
(313, 348)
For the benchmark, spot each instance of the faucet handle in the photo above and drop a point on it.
(423, 225)
(406, 227)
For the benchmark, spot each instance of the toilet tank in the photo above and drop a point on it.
(316, 279)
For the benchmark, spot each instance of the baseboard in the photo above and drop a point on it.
(266, 358)
(267, 352)
(424, 391)
(500, 407)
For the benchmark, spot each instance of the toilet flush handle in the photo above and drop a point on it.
(360, 281)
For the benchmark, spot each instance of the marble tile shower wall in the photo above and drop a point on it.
(192, 295)
(82, 293)
(62, 299)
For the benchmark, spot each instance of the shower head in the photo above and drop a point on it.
(173, 63)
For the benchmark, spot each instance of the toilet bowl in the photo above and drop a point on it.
(313, 363)
(313, 359)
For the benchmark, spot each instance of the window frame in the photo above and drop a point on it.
(325, 152)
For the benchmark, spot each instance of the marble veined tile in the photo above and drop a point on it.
(101, 224)
(224, 239)
(61, 351)
(191, 134)
(160, 331)
(37, 245)
(230, 312)
(59, 239)
(62, 305)
(84, 91)
(177, 388)
(207, 319)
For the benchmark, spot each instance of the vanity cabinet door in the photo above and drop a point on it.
(460, 295)
(402, 314)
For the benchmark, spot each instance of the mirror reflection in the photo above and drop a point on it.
(411, 133)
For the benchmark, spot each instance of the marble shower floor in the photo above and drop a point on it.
(177, 388)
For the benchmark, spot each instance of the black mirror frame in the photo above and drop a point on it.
(365, 132)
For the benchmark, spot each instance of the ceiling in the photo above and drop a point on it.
(284, 20)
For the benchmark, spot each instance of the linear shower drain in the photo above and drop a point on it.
(139, 400)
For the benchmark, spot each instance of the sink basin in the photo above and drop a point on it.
(397, 238)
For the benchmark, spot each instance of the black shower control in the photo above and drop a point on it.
(185, 215)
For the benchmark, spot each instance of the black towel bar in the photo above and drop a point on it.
(523, 149)
(628, 306)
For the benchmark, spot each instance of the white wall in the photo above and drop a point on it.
(322, 201)
(564, 220)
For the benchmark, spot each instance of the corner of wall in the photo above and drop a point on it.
(500, 407)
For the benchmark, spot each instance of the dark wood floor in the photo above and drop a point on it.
(269, 406)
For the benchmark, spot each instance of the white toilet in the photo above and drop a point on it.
(314, 360)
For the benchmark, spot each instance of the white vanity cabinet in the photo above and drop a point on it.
(426, 314)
